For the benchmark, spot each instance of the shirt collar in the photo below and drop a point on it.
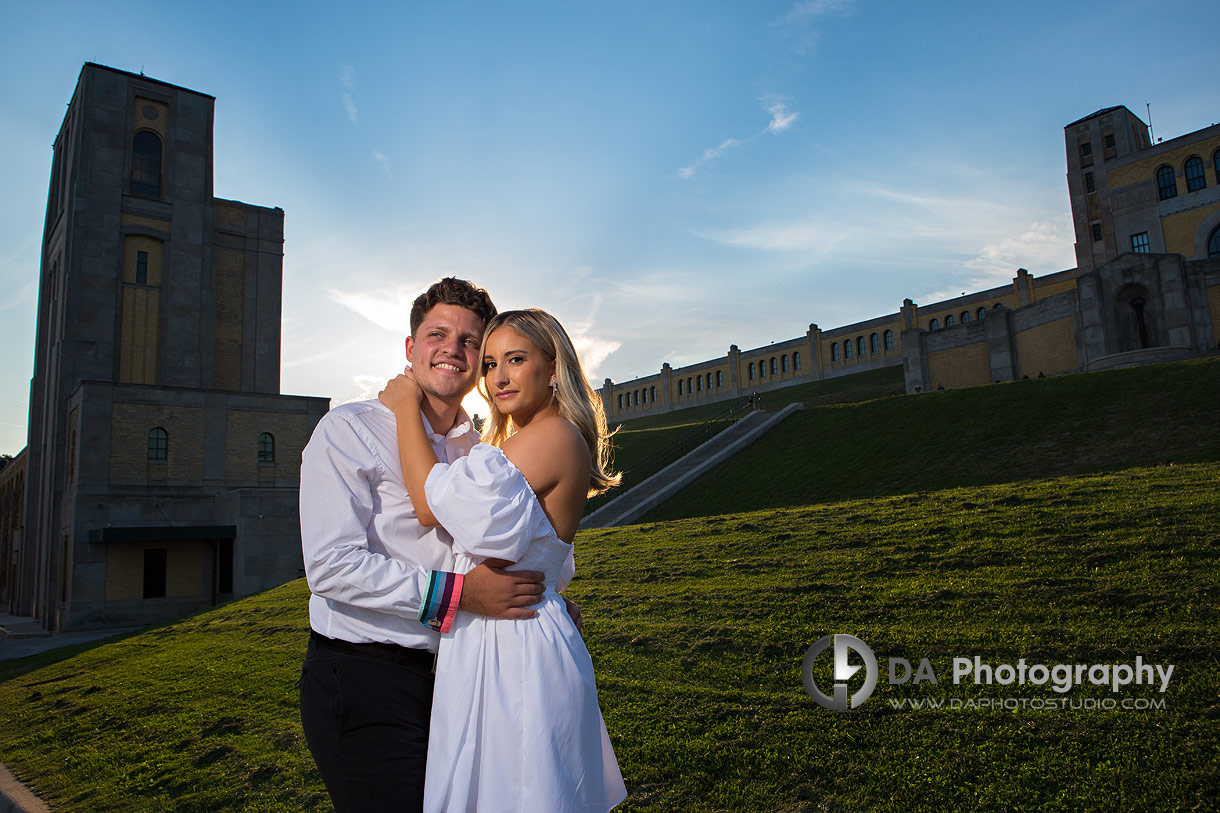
(461, 427)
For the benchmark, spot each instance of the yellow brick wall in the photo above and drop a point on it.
(1180, 229)
(231, 215)
(291, 433)
(187, 567)
(963, 366)
(140, 315)
(1213, 304)
(1047, 291)
(134, 243)
(1146, 169)
(1048, 348)
(126, 219)
(138, 335)
(230, 285)
(129, 427)
(157, 124)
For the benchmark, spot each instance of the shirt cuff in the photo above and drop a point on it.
(441, 597)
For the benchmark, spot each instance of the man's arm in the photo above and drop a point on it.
(337, 508)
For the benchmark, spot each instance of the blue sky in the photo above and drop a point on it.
(668, 178)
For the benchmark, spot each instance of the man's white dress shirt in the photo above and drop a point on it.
(367, 558)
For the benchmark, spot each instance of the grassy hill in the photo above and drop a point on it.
(698, 628)
(635, 440)
(1102, 421)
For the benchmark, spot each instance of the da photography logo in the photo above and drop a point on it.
(843, 671)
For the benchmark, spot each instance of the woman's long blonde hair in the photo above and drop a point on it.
(578, 402)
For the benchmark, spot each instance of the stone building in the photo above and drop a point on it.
(1146, 289)
(162, 465)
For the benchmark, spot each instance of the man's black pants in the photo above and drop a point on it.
(365, 710)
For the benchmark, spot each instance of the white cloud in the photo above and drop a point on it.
(799, 234)
(380, 158)
(347, 78)
(1046, 246)
(388, 308)
(812, 9)
(781, 120)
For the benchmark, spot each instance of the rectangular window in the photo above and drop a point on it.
(1139, 243)
(1089, 186)
(142, 267)
(1086, 149)
(1109, 141)
(1096, 232)
(154, 572)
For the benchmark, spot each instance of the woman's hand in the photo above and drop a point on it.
(401, 392)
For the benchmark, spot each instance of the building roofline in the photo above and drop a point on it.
(1102, 112)
(143, 77)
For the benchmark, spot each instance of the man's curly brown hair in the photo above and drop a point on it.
(452, 291)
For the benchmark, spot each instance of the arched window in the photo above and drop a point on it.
(965, 317)
(848, 349)
(860, 348)
(652, 394)
(981, 313)
(783, 362)
(834, 352)
(889, 340)
(774, 368)
(1216, 165)
(1213, 243)
(690, 386)
(751, 371)
(146, 164)
(266, 448)
(950, 321)
(934, 324)
(874, 343)
(1166, 184)
(796, 360)
(158, 444)
(762, 369)
(719, 379)
(680, 384)
(709, 381)
(620, 400)
(699, 383)
(1196, 179)
(636, 397)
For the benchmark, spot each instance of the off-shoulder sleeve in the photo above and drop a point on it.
(485, 504)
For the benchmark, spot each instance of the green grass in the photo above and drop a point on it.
(635, 440)
(1024, 430)
(697, 628)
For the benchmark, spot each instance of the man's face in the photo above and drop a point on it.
(444, 352)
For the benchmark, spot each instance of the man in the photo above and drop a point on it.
(381, 582)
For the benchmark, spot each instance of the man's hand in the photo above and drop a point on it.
(574, 613)
(498, 593)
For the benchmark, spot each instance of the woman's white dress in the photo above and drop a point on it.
(515, 720)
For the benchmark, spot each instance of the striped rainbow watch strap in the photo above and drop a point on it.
(441, 600)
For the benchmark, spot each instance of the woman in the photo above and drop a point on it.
(515, 720)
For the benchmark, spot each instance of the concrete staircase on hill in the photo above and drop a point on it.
(639, 500)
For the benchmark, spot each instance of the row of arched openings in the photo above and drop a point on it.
(1192, 172)
(158, 446)
(851, 348)
(777, 365)
(951, 320)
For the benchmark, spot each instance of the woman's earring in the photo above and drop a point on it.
(554, 387)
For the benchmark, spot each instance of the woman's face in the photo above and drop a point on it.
(517, 374)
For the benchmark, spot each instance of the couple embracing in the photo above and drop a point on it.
(444, 671)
